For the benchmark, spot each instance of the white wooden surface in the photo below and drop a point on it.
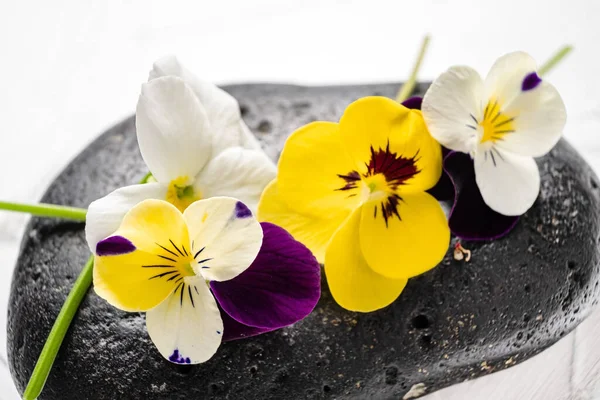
(70, 69)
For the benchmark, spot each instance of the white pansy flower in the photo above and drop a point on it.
(502, 122)
(194, 143)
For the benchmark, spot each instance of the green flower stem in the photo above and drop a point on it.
(555, 59)
(61, 324)
(408, 87)
(57, 334)
(46, 210)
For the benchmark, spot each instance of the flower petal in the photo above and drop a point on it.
(238, 173)
(221, 108)
(450, 107)
(407, 246)
(312, 168)
(471, 218)
(509, 183)
(372, 125)
(538, 110)
(233, 330)
(187, 327)
(354, 285)
(138, 267)
(104, 215)
(281, 287)
(172, 129)
(226, 237)
(312, 231)
(504, 82)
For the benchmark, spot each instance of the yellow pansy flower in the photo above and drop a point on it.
(354, 193)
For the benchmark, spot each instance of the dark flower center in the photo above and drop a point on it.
(385, 173)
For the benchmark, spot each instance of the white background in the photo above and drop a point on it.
(71, 69)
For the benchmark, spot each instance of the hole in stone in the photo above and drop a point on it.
(593, 183)
(326, 388)
(526, 317)
(420, 322)
(264, 126)
(215, 388)
(527, 288)
(184, 369)
(391, 375)
(571, 264)
(426, 340)
(253, 369)
(244, 109)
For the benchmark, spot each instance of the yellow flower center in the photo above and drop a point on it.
(495, 123)
(375, 187)
(181, 194)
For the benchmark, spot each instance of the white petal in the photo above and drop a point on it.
(187, 327)
(104, 215)
(225, 237)
(172, 129)
(505, 78)
(540, 118)
(509, 183)
(450, 105)
(222, 109)
(238, 173)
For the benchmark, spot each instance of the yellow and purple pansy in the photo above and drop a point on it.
(502, 123)
(355, 194)
(209, 274)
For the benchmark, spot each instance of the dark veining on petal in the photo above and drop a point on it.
(351, 179)
(167, 250)
(531, 81)
(176, 248)
(191, 297)
(397, 170)
(242, 211)
(114, 246)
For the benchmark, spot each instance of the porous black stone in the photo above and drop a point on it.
(517, 296)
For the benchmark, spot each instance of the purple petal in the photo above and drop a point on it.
(413, 103)
(233, 330)
(530, 82)
(444, 188)
(471, 218)
(114, 246)
(281, 287)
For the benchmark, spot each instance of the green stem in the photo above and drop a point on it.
(46, 210)
(408, 87)
(555, 59)
(61, 325)
(57, 334)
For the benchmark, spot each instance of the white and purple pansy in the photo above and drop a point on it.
(502, 123)
(209, 274)
(194, 142)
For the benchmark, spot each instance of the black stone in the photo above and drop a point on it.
(517, 296)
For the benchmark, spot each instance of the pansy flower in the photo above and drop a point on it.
(200, 272)
(354, 193)
(196, 146)
(502, 123)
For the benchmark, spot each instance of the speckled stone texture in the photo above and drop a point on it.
(461, 320)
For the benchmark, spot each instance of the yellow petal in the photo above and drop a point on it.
(354, 285)
(145, 260)
(309, 169)
(312, 231)
(371, 123)
(407, 246)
